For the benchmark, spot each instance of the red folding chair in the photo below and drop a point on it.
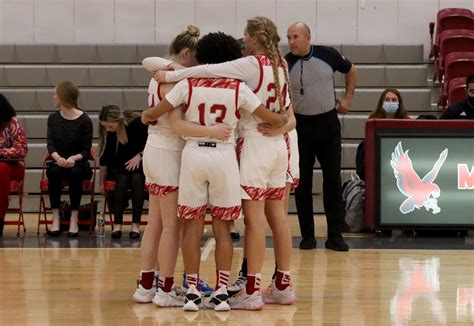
(109, 187)
(87, 189)
(457, 40)
(457, 65)
(449, 18)
(457, 90)
(16, 189)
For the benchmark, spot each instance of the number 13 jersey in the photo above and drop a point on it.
(213, 100)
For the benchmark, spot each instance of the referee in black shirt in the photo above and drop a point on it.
(312, 70)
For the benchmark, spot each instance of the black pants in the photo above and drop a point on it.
(319, 136)
(73, 176)
(125, 181)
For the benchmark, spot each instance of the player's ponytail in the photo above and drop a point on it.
(267, 36)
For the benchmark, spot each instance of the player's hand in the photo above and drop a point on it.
(285, 116)
(221, 131)
(146, 120)
(160, 76)
(267, 130)
(133, 163)
(343, 104)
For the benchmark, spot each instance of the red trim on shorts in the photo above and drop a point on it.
(191, 213)
(186, 107)
(226, 213)
(161, 191)
(255, 193)
(237, 113)
(158, 91)
(238, 148)
(275, 193)
(260, 80)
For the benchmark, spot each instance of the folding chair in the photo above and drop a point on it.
(16, 189)
(456, 40)
(457, 65)
(109, 188)
(87, 189)
(449, 18)
(457, 90)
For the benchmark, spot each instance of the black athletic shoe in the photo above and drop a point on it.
(117, 234)
(235, 235)
(337, 244)
(308, 243)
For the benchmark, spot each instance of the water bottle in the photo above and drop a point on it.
(101, 223)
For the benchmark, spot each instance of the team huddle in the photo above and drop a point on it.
(221, 140)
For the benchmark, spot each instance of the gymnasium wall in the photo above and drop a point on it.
(157, 21)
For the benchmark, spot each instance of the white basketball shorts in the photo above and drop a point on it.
(209, 177)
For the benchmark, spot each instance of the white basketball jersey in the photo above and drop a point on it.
(162, 127)
(160, 134)
(266, 93)
(212, 101)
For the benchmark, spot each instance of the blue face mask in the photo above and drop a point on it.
(390, 107)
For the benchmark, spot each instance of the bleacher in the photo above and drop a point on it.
(112, 74)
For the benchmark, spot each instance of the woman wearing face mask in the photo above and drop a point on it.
(390, 106)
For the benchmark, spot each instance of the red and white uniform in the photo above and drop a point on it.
(162, 154)
(209, 168)
(263, 160)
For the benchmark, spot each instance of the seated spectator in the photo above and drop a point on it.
(463, 109)
(389, 106)
(69, 144)
(13, 150)
(122, 140)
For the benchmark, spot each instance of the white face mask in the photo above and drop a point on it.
(390, 107)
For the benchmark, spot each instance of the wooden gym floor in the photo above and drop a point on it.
(380, 281)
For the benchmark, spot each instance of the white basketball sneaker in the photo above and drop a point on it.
(218, 300)
(237, 286)
(168, 299)
(143, 295)
(192, 300)
(272, 295)
(245, 301)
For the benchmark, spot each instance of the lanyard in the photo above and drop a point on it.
(301, 78)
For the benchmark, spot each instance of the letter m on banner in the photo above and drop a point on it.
(465, 177)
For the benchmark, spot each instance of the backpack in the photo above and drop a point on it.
(353, 196)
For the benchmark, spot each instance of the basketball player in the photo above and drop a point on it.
(161, 163)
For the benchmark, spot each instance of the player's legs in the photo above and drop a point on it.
(169, 242)
(148, 253)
